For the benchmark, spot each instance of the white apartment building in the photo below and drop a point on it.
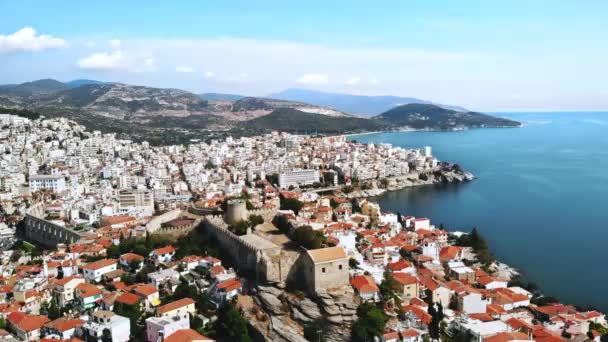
(56, 183)
(119, 326)
(298, 177)
(159, 328)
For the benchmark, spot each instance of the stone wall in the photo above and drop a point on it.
(155, 223)
(44, 232)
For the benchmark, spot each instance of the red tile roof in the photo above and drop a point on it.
(99, 264)
(364, 283)
(186, 335)
(128, 298)
(26, 322)
(175, 305)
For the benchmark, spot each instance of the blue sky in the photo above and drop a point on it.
(484, 55)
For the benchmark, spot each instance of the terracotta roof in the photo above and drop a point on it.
(105, 221)
(131, 257)
(27, 322)
(450, 252)
(364, 283)
(99, 264)
(164, 250)
(229, 285)
(175, 305)
(128, 298)
(327, 254)
(186, 335)
(419, 312)
(145, 289)
(399, 265)
(517, 323)
(404, 278)
(507, 336)
(64, 324)
(87, 290)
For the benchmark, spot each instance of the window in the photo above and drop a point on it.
(323, 270)
(339, 267)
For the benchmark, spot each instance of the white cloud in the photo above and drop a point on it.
(312, 79)
(117, 59)
(209, 74)
(26, 39)
(115, 44)
(103, 61)
(184, 69)
(353, 81)
(373, 81)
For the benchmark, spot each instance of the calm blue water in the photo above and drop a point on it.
(540, 199)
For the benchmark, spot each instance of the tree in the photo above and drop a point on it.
(53, 311)
(315, 330)
(255, 220)
(370, 323)
(239, 228)
(389, 286)
(308, 238)
(106, 335)
(231, 325)
(290, 204)
(353, 263)
(436, 319)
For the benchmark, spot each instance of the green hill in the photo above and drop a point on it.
(426, 116)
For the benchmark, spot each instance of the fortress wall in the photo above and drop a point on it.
(44, 232)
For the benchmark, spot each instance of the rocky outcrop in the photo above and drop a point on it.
(289, 313)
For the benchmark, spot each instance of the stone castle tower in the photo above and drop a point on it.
(236, 210)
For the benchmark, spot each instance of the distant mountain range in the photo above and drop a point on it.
(355, 104)
(220, 97)
(165, 115)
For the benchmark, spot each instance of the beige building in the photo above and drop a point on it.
(326, 268)
(408, 286)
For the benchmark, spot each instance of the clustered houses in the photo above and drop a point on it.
(102, 190)
(97, 179)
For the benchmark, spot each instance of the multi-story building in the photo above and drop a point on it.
(56, 183)
(298, 177)
(159, 328)
(136, 200)
(119, 327)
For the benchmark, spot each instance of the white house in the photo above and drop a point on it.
(94, 270)
(159, 328)
(118, 326)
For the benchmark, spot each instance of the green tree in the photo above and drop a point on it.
(231, 325)
(239, 228)
(308, 238)
(389, 286)
(315, 331)
(54, 311)
(255, 220)
(436, 312)
(290, 204)
(353, 263)
(370, 323)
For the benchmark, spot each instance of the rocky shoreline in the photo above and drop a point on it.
(445, 173)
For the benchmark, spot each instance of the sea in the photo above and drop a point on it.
(540, 197)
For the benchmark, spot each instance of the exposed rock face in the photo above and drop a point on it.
(289, 313)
